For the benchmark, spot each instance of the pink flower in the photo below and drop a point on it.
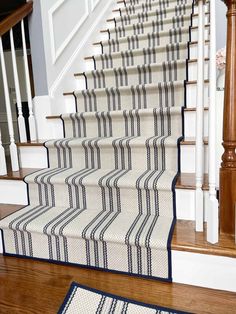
(221, 58)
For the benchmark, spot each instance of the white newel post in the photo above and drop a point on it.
(21, 121)
(13, 148)
(213, 210)
(199, 154)
(32, 126)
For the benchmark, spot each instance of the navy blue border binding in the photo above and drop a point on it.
(110, 295)
(76, 102)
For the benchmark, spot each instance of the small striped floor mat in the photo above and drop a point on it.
(84, 300)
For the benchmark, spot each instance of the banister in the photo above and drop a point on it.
(228, 165)
(15, 17)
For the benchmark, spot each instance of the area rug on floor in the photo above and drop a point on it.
(84, 300)
(107, 199)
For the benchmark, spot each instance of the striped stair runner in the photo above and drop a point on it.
(108, 198)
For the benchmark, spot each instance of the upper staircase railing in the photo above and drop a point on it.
(6, 26)
(228, 165)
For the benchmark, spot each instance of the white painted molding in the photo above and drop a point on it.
(57, 52)
(83, 41)
(94, 3)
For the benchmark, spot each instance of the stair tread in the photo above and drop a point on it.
(140, 36)
(130, 26)
(186, 141)
(134, 67)
(185, 109)
(77, 223)
(139, 51)
(186, 239)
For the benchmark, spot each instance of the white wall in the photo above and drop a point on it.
(220, 24)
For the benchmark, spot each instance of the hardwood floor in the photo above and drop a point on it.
(28, 286)
(38, 287)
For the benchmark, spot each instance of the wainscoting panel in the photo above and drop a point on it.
(65, 19)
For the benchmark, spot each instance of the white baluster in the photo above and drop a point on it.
(199, 154)
(213, 215)
(21, 120)
(13, 148)
(3, 166)
(28, 87)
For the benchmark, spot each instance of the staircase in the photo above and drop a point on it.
(111, 188)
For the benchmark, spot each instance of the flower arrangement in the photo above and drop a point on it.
(221, 58)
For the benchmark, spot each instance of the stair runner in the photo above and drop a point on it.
(107, 199)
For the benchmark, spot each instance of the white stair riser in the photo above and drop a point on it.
(13, 192)
(33, 157)
(192, 74)
(210, 271)
(193, 54)
(191, 98)
(36, 157)
(190, 123)
(187, 156)
(185, 204)
(191, 95)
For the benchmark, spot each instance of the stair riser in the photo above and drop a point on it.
(106, 158)
(210, 271)
(18, 195)
(187, 154)
(124, 123)
(140, 59)
(143, 41)
(96, 198)
(185, 204)
(191, 95)
(188, 158)
(154, 17)
(145, 28)
(13, 192)
(133, 77)
(139, 8)
(190, 124)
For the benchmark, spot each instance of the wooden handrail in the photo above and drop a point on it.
(228, 165)
(15, 17)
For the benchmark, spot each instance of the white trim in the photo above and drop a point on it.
(57, 52)
(94, 3)
(80, 46)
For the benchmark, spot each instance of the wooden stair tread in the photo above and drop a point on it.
(186, 239)
(7, 209)
(184, 181)
(191, 141)
(59, 116)
(187, 181)
(186, 141)
(31, 143)
(19, 175)
(83, 73)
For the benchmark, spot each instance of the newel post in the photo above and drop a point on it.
(228, 165)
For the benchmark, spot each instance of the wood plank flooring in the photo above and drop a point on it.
(39, 287)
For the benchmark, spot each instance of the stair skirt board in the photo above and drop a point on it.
(107, 200)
